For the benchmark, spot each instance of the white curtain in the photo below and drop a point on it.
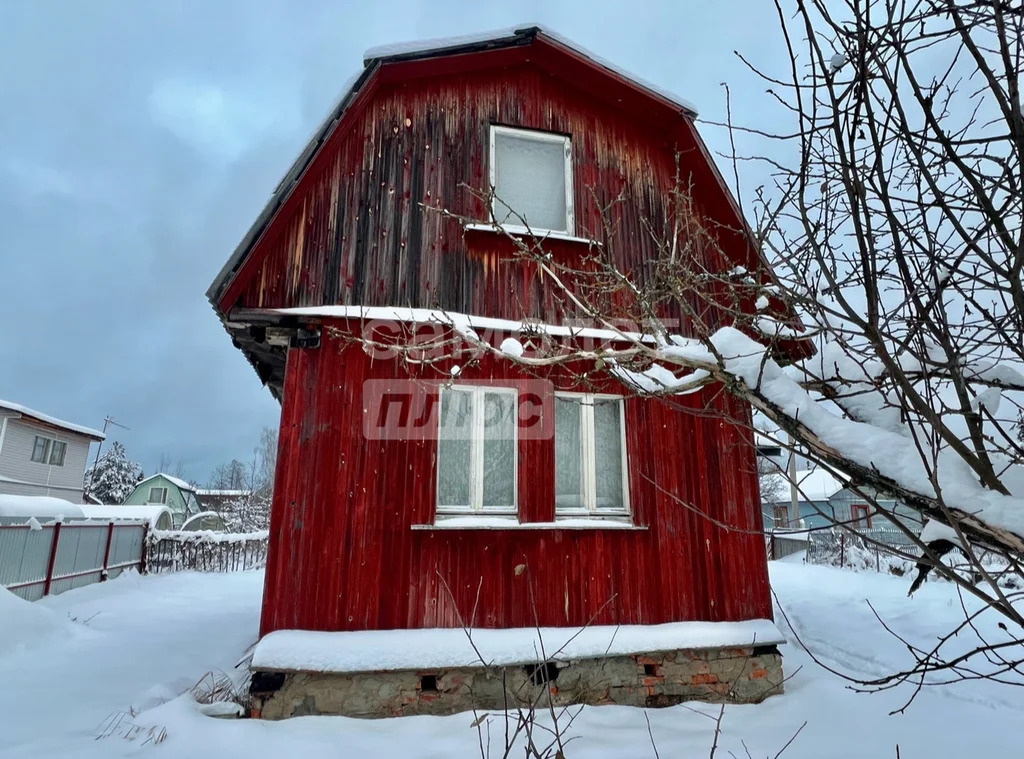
(529, 182)
(499, 450)
(454, 449)
(568, 453)
(608, 453)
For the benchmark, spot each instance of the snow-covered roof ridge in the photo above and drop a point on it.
(69, 426)
(508, 34)
(177, 481)
(394, 650)
(818, 485)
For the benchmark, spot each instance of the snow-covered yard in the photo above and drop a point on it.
(70, 662)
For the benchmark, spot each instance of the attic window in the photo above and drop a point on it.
(531, 175)
(157, 495)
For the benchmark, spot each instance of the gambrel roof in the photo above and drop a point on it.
(524, 43)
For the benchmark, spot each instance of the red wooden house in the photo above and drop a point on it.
(499, 497)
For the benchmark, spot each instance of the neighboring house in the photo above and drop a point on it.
(41, 455)
(588, 517)
(173, 492)
(824, 500)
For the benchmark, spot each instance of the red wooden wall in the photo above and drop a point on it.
(354, 231)
(343, 555)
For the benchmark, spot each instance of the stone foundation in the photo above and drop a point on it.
(735, 675)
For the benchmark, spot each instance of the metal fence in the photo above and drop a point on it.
(876, 548)
(782, 543)
(38, 560)
(174, 551)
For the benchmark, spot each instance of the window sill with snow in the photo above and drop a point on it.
(494, 522)
(537, 234)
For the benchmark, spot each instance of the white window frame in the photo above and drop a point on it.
(63, 452)
(539, 136)
(47, 447)
(589, 463)
(476, 454)
(157, 487)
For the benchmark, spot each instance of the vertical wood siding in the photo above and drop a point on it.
(344, 556)
(355, 230)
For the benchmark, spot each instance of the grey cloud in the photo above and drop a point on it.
(139, 140)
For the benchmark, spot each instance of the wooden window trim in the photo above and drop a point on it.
(860, 521)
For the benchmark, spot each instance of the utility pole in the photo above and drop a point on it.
(107, 420)
(794, 504)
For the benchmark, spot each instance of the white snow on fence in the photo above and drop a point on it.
(389, 650)
(39, 506)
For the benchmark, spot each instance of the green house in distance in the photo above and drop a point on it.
(172, 492)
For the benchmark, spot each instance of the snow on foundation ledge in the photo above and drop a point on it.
(436, 648)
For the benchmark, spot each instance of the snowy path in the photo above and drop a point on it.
(147, 639)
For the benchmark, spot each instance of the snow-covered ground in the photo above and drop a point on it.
(70, 662)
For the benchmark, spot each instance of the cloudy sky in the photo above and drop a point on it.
(138, 141)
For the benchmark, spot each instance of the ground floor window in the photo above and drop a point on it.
(860, 516)
(590, 455)
(476, 450)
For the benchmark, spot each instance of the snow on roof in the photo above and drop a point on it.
(442, 45)
(176, 481)
(465, 323)
(25, 411)
(818, 485)
(220, 492)
(40, 506)
(812, 484)
(149, 512)
(389, 650)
